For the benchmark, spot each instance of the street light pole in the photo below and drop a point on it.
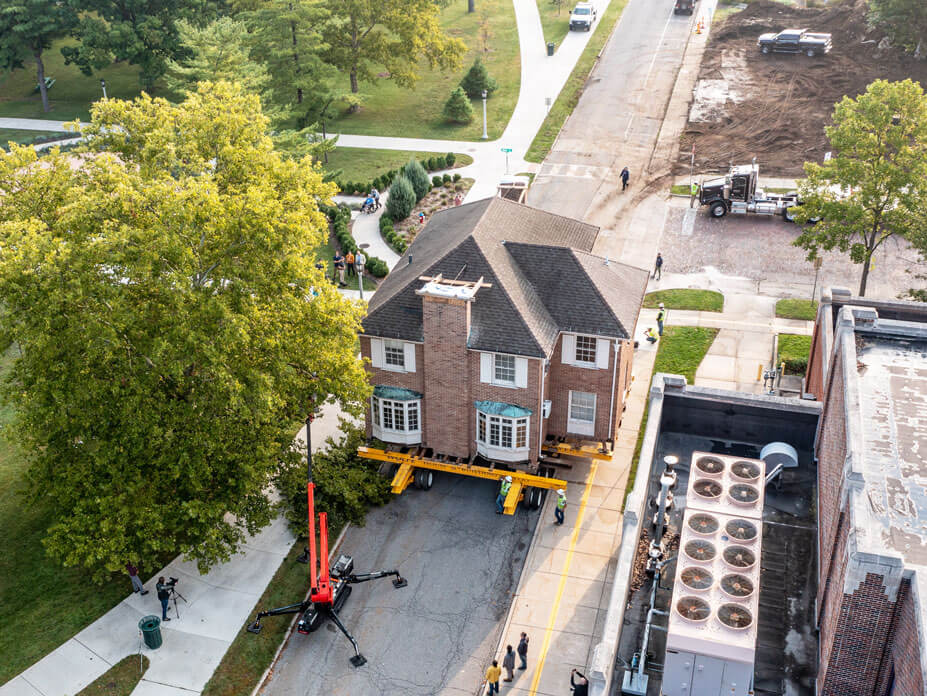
(103, 85)
(485, 134)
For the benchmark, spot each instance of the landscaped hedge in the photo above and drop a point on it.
(384, 181)
(389, 234)
(340, 216)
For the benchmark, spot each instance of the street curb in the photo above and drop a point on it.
(289, 632)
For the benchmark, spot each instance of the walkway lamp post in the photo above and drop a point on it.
(485, 134)
(103, 85)
(359, 261)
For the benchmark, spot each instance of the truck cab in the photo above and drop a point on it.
(582, 16)
(684, 6)
(739, 192)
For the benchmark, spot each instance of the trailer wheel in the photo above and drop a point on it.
(810, 53)
(533, 499)
(424, 478)
(764, 50)
(718, 209)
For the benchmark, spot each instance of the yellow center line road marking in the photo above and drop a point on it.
(563, 581)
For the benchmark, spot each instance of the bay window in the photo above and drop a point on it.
(502, 431)
(396, 415)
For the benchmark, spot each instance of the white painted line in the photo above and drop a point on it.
(657, 52)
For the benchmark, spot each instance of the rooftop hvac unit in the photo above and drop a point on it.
(711, 637)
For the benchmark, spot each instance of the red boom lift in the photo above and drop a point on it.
(329, 584)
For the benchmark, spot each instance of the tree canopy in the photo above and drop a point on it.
(362, 35)
(27, 29)
(168, 323)
(875, 184)
(905, 20)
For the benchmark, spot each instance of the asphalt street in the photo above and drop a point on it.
(437, 635)
(619, 115)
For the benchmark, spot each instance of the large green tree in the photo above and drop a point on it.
(875, 184)
(27, 30)
(142, 32)
(365, 35)
(905, 21)
(169, 324)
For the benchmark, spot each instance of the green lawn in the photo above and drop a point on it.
(573, 89)
(794, 351)
(250, 654)
(391, 110)
(685, 298)
(73, 91)
(555, 19)
(23, 137)
(363, 164)
(41, 604)
(120, 679)
(797, 309)
(679, 352)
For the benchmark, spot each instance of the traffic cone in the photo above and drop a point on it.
(698, 26)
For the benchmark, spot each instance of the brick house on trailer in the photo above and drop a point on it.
(497, 331)
(868, 365)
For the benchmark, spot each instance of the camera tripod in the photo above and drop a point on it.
(174, 595)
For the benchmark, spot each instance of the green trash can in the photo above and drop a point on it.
(550, 48)
(151, 631)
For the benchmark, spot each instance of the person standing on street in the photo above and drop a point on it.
(523, 651)
(579, 683)
(136, 581)
(661, 317)
(164, 595)
(492, 677)
(561, 504)
(658, 267)
(503, 491)
(509, 663)
(625, 175)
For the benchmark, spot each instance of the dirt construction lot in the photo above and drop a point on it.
(760, 249)
(775, 107)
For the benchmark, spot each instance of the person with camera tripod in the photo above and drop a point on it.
(164, 594)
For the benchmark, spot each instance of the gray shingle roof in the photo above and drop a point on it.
(544, 280)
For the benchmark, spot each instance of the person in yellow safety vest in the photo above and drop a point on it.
(561, 504)
(650, 335)
(661, 317)
(503, 491)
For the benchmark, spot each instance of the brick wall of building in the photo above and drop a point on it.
(905, 650)
(408, 380)
(525, 397)
(448, 402)
(564, 378)
(814, 375)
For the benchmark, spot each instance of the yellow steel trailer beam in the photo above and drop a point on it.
(587, 452)
(408, 463)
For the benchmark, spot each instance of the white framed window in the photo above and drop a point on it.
(502, 438)
(503, 369)
(395, 420)
(585, 349)
(394, 355)
(581, 417)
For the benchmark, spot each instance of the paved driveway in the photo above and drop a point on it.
(438, 634)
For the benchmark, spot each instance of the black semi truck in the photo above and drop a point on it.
(738, 192)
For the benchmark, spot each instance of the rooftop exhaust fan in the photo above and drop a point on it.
(735, 616)
(693, 609)
(745, 471)
(706, 488)
(742, 530)
(709, 465)
(696, 578)
(699, 550)
(739, 557)
(744, 493)
(703, 524)
(737, 585)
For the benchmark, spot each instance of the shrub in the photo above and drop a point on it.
(436, 181)
(401, 199)
(377, 267)
(416, 175)
(386, 222)
(446, 179)
(458, 109)
(476, 80)
(449, 159)
(455, 178)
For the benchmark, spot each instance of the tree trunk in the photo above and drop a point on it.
(471, 6)
(354, 86)
(865, 276)
(40, 71)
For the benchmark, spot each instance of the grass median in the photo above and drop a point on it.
(797, 309)
(120, 679)
(573, 89)
(794, 350)
(686, 299)
(680, 352)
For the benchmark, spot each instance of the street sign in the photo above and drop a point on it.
(506, 149)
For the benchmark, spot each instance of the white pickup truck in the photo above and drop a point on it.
(582, 16)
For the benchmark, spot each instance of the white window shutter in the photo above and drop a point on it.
(521, 372)
(409, 349)
(568, 356)
(486, 367)
(602, 347)
(377, 358)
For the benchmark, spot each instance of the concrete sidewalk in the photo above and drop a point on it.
(217, 605)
